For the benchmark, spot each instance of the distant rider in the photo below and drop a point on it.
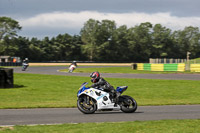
(25, 64)
(99, 82)
(73, 63)
(25, 61)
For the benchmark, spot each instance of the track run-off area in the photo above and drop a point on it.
(73, 115)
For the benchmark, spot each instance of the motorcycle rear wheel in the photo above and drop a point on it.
(86, 108)
(129, 105)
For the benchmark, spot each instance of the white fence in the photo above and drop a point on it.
(166, 61)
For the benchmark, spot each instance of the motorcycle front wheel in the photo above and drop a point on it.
(23, 68)
(128, 105)
(86, 105)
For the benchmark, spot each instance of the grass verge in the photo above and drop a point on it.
(167, 126)
(35, 91)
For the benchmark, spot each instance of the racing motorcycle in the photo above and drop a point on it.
(71, 68)
(24, 66)
(96, 99)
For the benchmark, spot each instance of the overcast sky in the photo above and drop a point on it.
(40, 18)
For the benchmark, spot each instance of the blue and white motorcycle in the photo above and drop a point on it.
(93, 99)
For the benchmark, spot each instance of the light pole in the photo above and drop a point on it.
(188, 56)
(188, 64)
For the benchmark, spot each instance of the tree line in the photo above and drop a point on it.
(102, 41)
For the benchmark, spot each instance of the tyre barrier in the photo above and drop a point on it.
(6, 78)
(161, 67)
(195, 67)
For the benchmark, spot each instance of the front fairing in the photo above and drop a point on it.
(101, 97)
(82, 90)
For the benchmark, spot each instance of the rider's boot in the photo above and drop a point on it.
(115, 96)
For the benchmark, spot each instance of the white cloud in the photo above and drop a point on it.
(73, 20)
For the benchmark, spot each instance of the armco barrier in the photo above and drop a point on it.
(195, 67)
(161, 67)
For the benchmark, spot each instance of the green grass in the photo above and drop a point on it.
(195, 61)
(35, 90)
(166, 126)
(120, 70)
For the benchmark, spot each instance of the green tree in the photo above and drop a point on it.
(120, 48)
(88, 36)
(140, 42)
(162, 44)
(8, 46)
(188, 40)
(96, 36)
(23, 44)
(105, 41)
(8, 30)
(35, 50)
(8, 27)
(66, 47)
(76, 43)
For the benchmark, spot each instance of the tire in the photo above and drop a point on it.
(70, 71)
(23, 68)
(128, 105)
(84, 107)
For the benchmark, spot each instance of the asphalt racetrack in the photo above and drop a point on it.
(73, 115)
(53, 70)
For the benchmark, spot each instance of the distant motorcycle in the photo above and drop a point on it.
(93, 99)
(71, 68)
(24, 66)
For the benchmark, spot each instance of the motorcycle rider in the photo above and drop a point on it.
(74, 63)
(99, 82)
(72, 66)
(25, 63)
(26, 60)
